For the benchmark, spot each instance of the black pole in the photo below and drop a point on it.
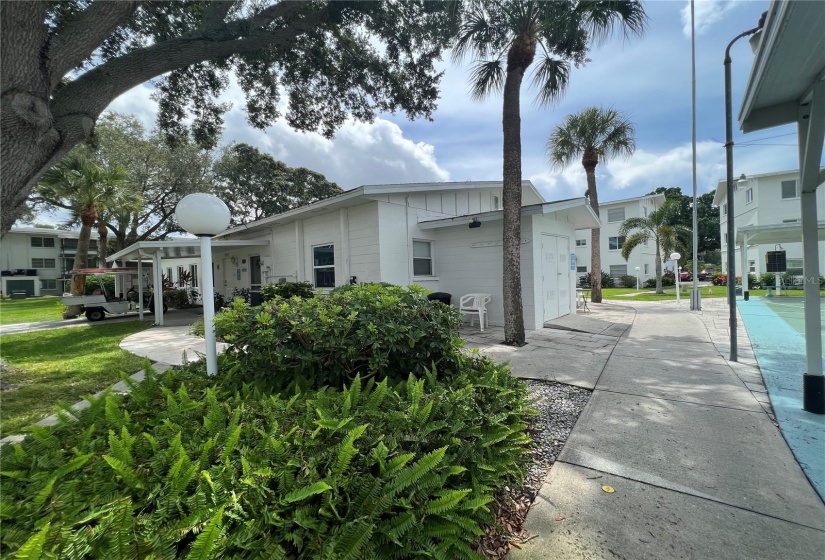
(729, 164)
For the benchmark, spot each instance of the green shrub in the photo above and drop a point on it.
(767, 279)
(93, 283)
(190, 466)
(627, 281)
(585, 282)
(241, 293)
(287, 290)
(177, 299)
(367, 329)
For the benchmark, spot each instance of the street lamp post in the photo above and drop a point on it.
(729, 165)
(205, 216)
(638, 281)
(675, 258)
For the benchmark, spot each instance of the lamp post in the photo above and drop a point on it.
(675, 258)
(695, 294)
(638, 282)
(205, 216)
(729, 165)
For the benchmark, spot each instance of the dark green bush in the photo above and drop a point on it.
(189, 466)
(287, 290)
(177, 299)
(668, 280)
(627, 281)
(241, 293)
(367, 329)
(767, 279)
(93, 283)
(585, 282)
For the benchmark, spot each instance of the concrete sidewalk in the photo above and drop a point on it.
(699, 468)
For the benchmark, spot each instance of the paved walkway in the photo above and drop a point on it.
(685, 438)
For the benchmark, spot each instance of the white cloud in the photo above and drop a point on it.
(707, 13)
(138, 102)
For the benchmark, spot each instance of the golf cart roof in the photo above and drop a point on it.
(100, 271)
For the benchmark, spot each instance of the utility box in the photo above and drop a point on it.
(775, 261)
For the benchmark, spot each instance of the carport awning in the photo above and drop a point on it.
(178, 248)
(575, 211)
(777, 233)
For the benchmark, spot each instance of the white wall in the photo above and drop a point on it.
(542, 225)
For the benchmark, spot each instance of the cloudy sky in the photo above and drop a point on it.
(648, 78)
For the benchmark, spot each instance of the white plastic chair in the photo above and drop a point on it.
(475, 304)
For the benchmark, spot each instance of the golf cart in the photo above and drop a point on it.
(100, 303)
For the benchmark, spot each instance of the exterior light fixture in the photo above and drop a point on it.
(675, 258)
(205, 216)
(729, 165)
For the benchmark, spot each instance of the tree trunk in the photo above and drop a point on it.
(590, 161)
(88, 217)
(102, 245)
(518, 59)
(658, 266)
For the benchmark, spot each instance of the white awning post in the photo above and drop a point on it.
(158, 294)
(811, 126)
(140, 288)
(745, 267)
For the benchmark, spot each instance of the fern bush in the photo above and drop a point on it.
(190, 466)
(369, 330)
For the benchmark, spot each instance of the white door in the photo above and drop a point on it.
(563, 275)
(550, 277)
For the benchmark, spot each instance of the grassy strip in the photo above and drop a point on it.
(60, 365)
(708, 292)
(31, 310)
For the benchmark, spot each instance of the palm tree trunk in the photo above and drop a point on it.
(102, 244)
(511, 198)
(88, 216)
(595, 233)
(658, 266)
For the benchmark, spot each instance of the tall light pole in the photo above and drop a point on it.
(695, 294)
(205, 216)
(729, 164)
(638, 281)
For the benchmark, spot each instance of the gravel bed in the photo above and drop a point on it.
(559, 407)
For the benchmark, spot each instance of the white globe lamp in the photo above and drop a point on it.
(205, 215)
(675, 258)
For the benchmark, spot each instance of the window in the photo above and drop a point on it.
(323, 265)
(581, 242)
(43, 263)
(644, 211)
(581, 269)
(726, 239)
(193, 270)
(42, 241)
(616, 243)
(180, 276)
(93, 244)
(791, 221)
(789, 190)
(70, 244)
(615, 214)
(617, 270)
(48, 284)
(422, 258)
(794, 267)
(751, 266)
(749, 195)
(724, 210)
(647, 269)
(496, 202)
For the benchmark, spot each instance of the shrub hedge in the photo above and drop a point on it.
(287, 290)
(585, 281)
(368, 330)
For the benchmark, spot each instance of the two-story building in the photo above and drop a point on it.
(766, 218)
(612, 214)
(36, 260)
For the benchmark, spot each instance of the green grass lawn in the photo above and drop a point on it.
(616, 294)
(60, 365)
(31, 310)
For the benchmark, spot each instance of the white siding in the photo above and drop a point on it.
(365, 262)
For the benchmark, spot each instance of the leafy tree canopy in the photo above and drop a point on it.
(255, 185)
(316, 63)
(707, 216)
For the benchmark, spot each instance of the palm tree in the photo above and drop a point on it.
(505, 37)
(595, 135)
(86, 189)
(656, 227)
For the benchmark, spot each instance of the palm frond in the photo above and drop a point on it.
(487, 77)
(633, 241)
(636, 223)
(550, 77)
(601, 18)
(563, 147)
